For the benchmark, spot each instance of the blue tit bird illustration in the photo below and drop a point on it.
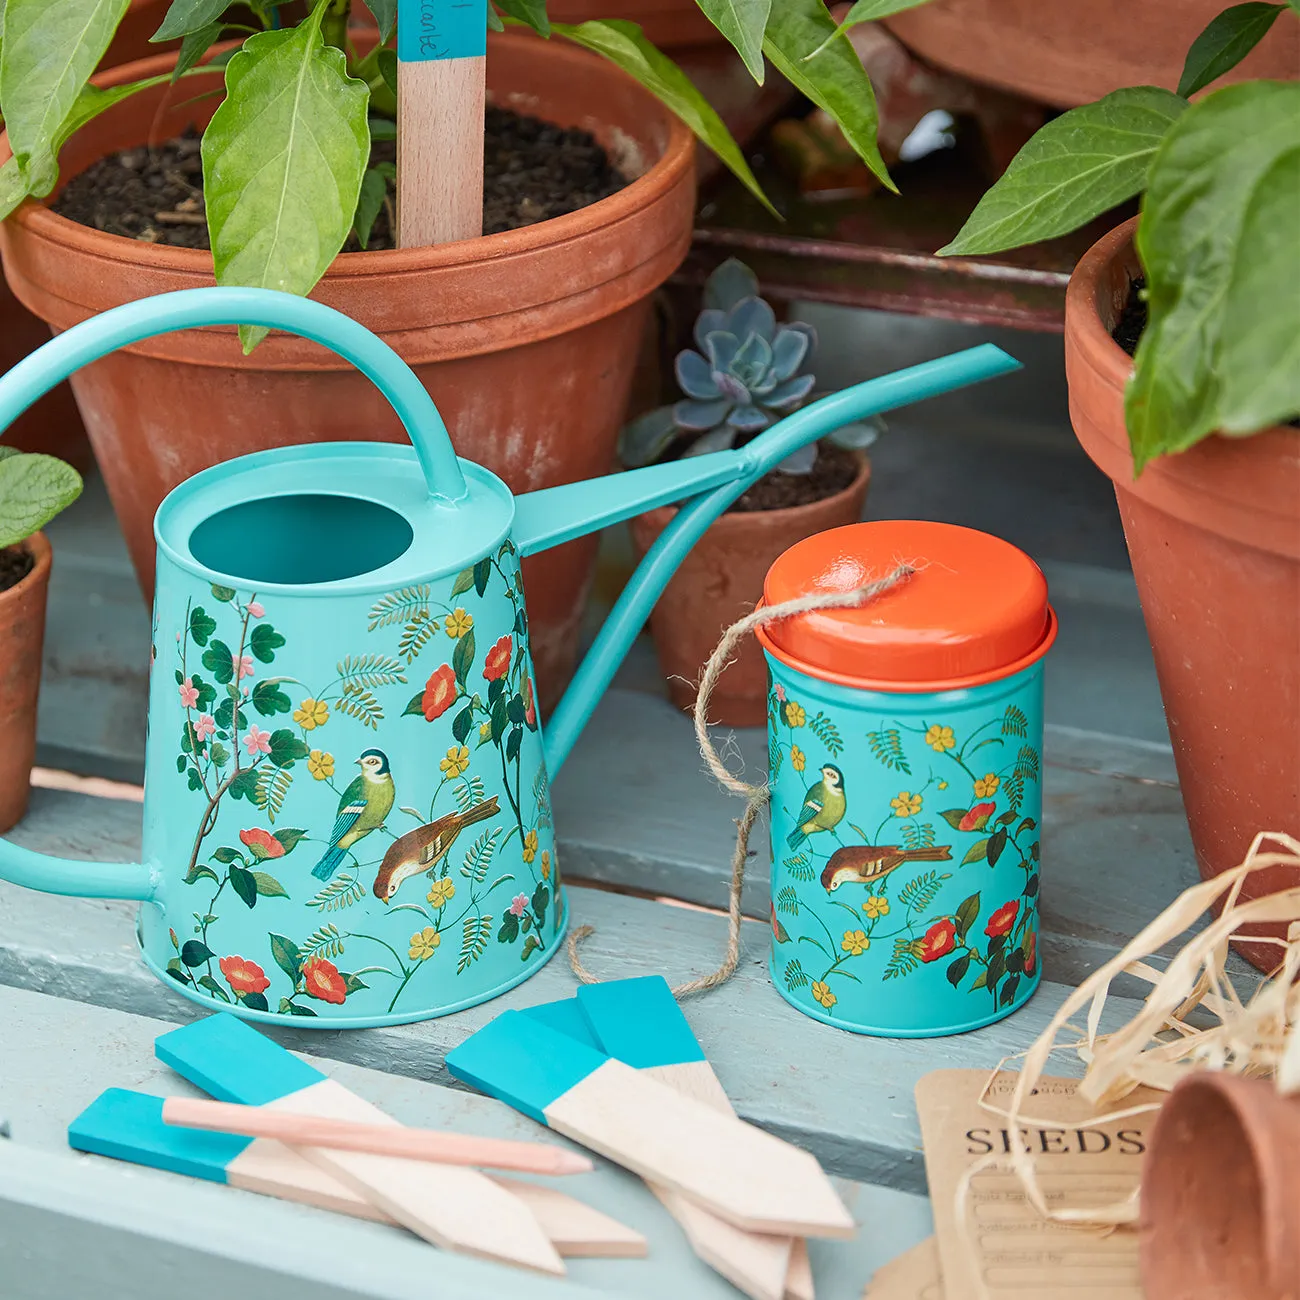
(363, 808)
(823, 807)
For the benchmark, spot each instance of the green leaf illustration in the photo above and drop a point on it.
(997, 842)
(462, 658)
(209, 983)
(227, 855)
(978, 852)
(509, 931)
(287, 957)
(255, 1001)
(966, 914)
(268, 886)
(242, 882)
(218, 659)
(177, 971)
(954, 816)
(202, 625)
(957, 969)
(268, 699)
(194, 953)
(289, 837)
(286, 748)
(461, 724)
(264, 641)
(464, 581)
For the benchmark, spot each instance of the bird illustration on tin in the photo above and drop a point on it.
(364, 807)
(866, 863)
(420, 851)
(823, 807)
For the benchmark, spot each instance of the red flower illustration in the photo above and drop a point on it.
(439, 693)
(977, 818)
(261, 843)
(1003, 919)
(940, 939)
(1030, 949)
(244, 976)
(530, 707)
(497, 663)
(323, 981)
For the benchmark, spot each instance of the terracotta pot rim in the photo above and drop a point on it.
(784, 513)
(657, 180)
(42, 552)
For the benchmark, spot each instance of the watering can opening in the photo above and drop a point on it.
(304, 539)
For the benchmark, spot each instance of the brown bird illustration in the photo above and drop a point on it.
(863, 864)
(422, 849)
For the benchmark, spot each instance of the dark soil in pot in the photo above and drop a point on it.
(833, 471)
(532, 171)
(16, 562)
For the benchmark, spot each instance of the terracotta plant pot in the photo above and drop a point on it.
(721, 581)
(527, 340)
(1214, 537)
(668, 24)
(22, 636)
(1221, 1193)
(53, 425)
(1070, 53)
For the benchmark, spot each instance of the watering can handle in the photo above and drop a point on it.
(191, 308)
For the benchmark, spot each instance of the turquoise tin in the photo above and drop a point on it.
(905, 753)
(347, 814)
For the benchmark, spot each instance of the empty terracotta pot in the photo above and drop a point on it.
(527, 339)
(721, 581)
(1214, 537)
(1221, 1193)
(1067, 53)
(22, 636)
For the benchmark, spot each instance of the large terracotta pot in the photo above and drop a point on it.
(53, 425)
(1068, 52)
(527, 340)
(721, 581)
(1214, 536)
(22, 636)
(668, 24)
(1221, 1193)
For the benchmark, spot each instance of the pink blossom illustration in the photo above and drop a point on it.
(189, 693)
(204, 727)
(242, 665)
(257, 741)
(518, 904)
(255, 609)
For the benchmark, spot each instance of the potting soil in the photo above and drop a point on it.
(833, 471)
(15, 564)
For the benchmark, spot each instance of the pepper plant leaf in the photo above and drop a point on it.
(283, 160)
(799, 43)
(50, 49)
(385, 12)
(184, 17)
(1076, 167)
(194, 47)
(33, 489)
(530, 12)
(869, 11)
(743, 23)
(1219, 243)
(1228, 38)
(623, 44)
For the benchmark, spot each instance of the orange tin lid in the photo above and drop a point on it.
(976, 609)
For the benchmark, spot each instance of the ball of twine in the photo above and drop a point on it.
(755, 796)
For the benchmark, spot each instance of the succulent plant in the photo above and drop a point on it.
(748, 373)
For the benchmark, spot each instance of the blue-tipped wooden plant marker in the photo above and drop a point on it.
(441, 62)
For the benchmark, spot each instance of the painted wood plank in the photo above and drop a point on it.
(59, 1055)
(782, 1070)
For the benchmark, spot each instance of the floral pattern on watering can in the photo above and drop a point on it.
(905, 852)
(369, 826)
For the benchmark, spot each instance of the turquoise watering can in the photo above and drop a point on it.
(347, 815)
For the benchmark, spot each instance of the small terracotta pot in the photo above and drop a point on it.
(527, 339)
(1214, 537)
(1067, 53)
(53, 425)
(668, 24)
(721, 581)
(1221, 1193)
(22, 636)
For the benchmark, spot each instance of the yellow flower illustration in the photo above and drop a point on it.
(940, 738)
(855, 942)
(458, 623)
(798, 759)
(822, 992)
(943, 785)
(424, 944)
(795, 715)
(456, 762)
(986, 786)
(485, 731)
(320, 764)
(906, 805)
(441, 892)
(876, 905)
(311, 714)
(546, 864)
(530, 846)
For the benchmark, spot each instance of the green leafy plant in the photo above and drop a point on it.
(286, 157)
(1218, 238)
(747, 375)
(33, 489)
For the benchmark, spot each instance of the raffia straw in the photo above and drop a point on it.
(755, 796)
(1259, 1037)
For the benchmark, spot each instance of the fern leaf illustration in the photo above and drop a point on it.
(1014, 789)
(1027, 763)
(1014, 723)
(887, 746)
(905, 959)
(788, 901)
(272, 785)
(917, 835)
(468, 791)
(795, 976)
(326, 942)
(922, 890)
(366, 672)
(478, 857)
(362, 705)
(400, 606)
(799, 866)
(341, 892)
(825, 731)
(474, 937)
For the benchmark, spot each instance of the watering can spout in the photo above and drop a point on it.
(709, 484)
